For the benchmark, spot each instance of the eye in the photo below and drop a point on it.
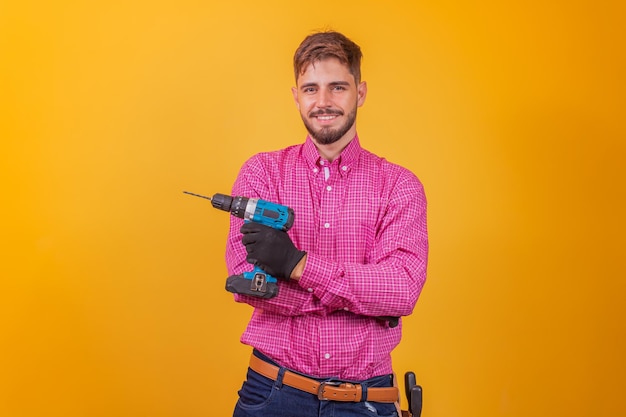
(339, 88)
(308, 90)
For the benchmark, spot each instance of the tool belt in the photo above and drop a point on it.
(335, 391)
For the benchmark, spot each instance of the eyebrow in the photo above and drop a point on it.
(332, 84)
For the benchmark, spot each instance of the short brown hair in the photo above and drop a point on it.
(324, 45)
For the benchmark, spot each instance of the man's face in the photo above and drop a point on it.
(327, 98)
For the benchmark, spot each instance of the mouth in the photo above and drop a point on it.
(325, 117)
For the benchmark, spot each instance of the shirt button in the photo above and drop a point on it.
(327, 225)
(329, 188)
(327, 356)
(315, 170)
(344, 168)
(309, 289)
(346, 309)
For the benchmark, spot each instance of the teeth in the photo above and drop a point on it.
(325, 117)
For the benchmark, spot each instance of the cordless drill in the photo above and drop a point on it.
(257, 282)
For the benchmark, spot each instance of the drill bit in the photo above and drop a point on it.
(198, 195)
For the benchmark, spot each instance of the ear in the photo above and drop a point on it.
(294, 91)
(361, 93)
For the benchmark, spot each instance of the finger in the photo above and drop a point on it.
(251, 227)
(249, 238)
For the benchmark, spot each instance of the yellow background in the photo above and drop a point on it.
(511, 113)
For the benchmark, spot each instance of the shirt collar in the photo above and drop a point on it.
(348, 157)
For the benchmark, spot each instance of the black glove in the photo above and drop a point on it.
(270, 249)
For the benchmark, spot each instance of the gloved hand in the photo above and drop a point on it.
(270, 249)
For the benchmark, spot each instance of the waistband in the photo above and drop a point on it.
(324, 390)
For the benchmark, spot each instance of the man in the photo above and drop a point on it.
(357, 252)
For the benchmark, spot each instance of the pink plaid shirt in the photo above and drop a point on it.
(362, 222)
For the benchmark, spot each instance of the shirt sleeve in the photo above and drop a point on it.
(292, 299)
(391, 280)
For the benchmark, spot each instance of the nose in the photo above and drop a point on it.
(324, 98)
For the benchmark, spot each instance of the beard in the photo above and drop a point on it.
(328, 135)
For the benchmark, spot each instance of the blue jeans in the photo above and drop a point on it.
(261, 397)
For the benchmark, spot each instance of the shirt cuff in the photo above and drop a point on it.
(318, 277)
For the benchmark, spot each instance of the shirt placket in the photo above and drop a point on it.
(329, 224)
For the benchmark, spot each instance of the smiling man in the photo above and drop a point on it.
(354, 259)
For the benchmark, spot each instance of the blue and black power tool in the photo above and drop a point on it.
(257, 282)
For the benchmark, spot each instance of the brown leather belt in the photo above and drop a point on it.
(340, 391)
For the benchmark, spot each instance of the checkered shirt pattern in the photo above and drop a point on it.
(362, 222)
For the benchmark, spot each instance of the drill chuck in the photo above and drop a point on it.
(237, 206)
(222, 202)
(241, 207)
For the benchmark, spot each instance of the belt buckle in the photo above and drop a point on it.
(320, 389)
